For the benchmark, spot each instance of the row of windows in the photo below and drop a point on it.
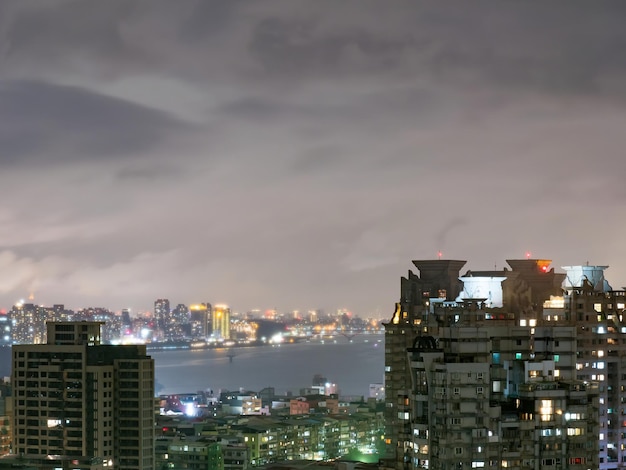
(456, 391)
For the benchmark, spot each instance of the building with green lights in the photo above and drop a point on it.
(519, 368)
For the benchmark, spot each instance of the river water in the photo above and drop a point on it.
(353, 366)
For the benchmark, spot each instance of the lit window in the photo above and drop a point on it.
(546, 409)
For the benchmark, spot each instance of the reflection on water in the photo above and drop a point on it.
(288, 367)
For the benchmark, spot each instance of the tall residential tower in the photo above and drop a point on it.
(77, 398)
(487, 369)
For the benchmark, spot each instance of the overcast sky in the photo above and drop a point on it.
(298, 155)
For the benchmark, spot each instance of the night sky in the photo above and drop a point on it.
(298, 155)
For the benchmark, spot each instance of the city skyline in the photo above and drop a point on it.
(191, 306)
(468, 272)
(291, 154)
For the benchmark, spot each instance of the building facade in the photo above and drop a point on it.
(220, 322)
(200, 320)
(75, 397)
(591, 305)
(162, 314)
(493, 369)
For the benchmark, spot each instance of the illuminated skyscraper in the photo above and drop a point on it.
(127, 323)
(162, 313)
(77, 398)
(200, 320)
(220, 322)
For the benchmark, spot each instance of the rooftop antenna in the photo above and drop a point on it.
(528, 255)
(439, 254)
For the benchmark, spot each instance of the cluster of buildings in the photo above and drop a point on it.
(520, 368)
(25, 323)
(201, 320)
(244, 441)
(75, 403)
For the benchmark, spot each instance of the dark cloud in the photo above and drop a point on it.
(321, 158)
(544, 48)
(205, 19)
(258, 109)
(49, 124)
(300, 48)
(300, 154)
(56, 31)
(153, 173)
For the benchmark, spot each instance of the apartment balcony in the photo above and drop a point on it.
(511, 453)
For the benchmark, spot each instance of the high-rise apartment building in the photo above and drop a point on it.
(77, 398)
(200, 320)
(597, 312)
(127, 322)
(220, 322)
(162, 313)
(181, 323)
(500, 369)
